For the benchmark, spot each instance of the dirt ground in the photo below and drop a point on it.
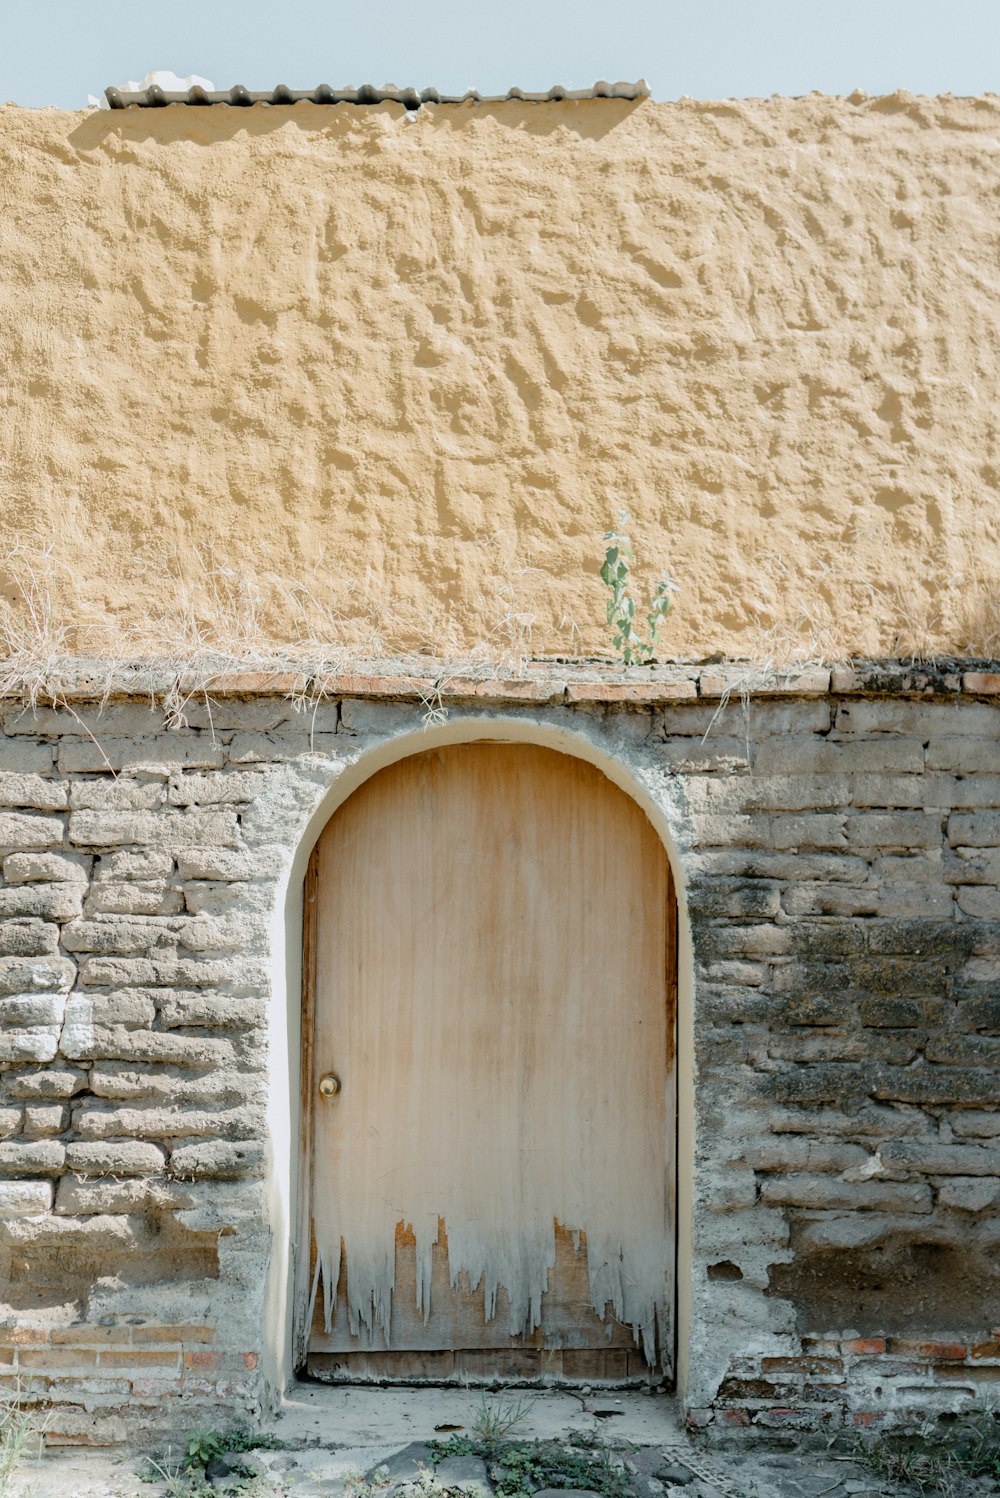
(366, 1442)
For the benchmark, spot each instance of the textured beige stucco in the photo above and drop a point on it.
(414, 365)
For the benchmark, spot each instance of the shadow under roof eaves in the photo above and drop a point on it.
(155, 97)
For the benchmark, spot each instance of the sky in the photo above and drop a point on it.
(59, 51)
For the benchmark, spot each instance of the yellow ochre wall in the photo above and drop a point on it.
(346, 373)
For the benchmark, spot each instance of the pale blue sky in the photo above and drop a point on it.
(58, 51)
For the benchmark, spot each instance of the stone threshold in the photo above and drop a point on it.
(545, 680)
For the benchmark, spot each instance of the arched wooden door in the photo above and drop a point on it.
(491, 953)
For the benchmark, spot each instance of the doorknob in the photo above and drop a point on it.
(329, 1085)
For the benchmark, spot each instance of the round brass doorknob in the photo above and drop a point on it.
(329, 1085)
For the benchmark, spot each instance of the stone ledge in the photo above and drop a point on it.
(550, 680)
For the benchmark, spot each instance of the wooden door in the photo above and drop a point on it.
(491, 949)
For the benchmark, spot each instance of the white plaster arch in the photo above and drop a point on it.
(586, 742)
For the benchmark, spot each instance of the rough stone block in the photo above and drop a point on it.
(210, 1010)
(820, 756)
(125, 1080)
(217, 1158)
(695, 756)
(28, 938)
(974, 829)
(733, 897)
(120, 794)
(964, 1050)
(163, 829)
(129, 864)
(153, 898)
(919, 720)
(227, 715)
(813, 898)
(43, 1120)
(29, 1044)
(801, 1155)
(222, 788)
(56, 868)
(82, 1196)
(805, 1190)
(253, 748)
(979, 900)
(24, 832)
(970, 1194)
(112, 720)
(166, 753)
(816, 830)
(205, 897)
(21, 756)
(221, 864)
(96, 1120)
(365, 716)
(960, 1083)
(37, 791)
(962, 755)
(115, 1158)
(899, 829)
(806, 1046)
(53, 1082)
(231, 974)
(916, 900)
(54, 902)
(41, 1157)
(114, 934)
(931, 1157)
(970, 1124)
(115, 1042)
(133, 1007)
(25, 1198)
(32, 1009)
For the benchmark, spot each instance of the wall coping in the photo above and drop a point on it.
(546, 680)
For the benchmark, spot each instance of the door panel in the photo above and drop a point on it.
(493, 970)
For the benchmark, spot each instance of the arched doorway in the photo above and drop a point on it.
(490, 977)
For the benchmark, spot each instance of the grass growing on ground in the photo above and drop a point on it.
(938, 1459)
(519, 1468)
(21, 1433)
(188, 1477)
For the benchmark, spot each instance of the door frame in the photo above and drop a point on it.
(302, 915)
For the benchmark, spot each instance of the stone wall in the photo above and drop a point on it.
(838, 852)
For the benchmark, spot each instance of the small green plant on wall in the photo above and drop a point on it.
(618, 558)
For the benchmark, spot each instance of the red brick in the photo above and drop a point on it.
(178, 1333)
(932, 1352)
(985, 683)
(805, 1365)
(864, 1347)
(135, 1357)
(250, 1359)
(50, 1357)
(246, 683)
(862, 1418)
(23, 1336)
(986, 1349)
(202, 1359)
(733, 1417)
(83, 1336)
(629, 691)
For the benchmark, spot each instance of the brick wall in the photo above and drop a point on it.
(841, 853)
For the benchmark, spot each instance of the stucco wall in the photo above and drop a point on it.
(395, 361)
(839, 1172)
